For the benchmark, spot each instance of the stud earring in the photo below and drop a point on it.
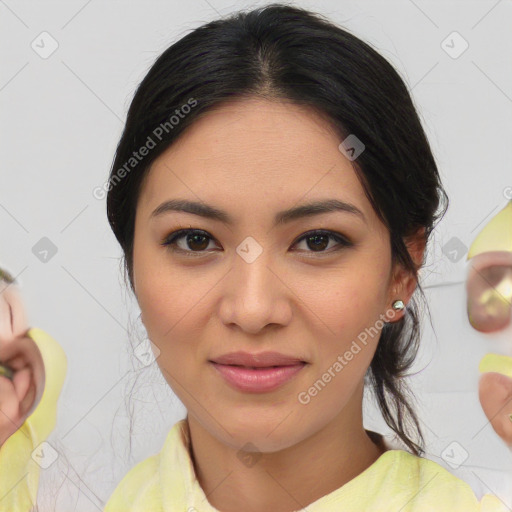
(398, 305)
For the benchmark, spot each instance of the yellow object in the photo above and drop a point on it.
(496, 234)
(19, 469)
(496, 363)
(397, 481)
(166, 482)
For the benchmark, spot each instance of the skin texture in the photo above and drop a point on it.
(253, 158)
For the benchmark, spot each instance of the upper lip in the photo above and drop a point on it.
(260, 359)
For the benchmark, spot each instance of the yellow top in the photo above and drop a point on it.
(397, 481)
(166, 481)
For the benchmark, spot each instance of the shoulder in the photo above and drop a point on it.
(139, 489)
(414, 483)
(159, 480)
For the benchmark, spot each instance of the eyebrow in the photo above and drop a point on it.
(282, 217)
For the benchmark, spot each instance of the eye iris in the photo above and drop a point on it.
(194, 237)
(316, 238)
(198, 242)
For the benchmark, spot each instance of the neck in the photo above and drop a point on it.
(289, 479)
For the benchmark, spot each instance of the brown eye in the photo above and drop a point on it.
(196, 240)
(318, 241)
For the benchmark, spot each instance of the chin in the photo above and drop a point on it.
(271, 435)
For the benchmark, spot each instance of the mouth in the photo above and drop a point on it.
(261, 367)
(257, 360)
(257, 379)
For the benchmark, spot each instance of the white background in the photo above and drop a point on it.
(61, 118)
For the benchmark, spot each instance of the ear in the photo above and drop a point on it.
(404, 282)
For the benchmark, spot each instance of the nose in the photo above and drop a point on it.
(255, 295)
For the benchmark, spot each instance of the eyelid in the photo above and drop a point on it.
(341, 240)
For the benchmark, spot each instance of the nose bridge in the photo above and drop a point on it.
(252, 298)
(253, 277)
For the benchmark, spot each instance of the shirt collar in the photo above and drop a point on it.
(180, 485)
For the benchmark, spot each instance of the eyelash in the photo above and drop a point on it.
(170, 241)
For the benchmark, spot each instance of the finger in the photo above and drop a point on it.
(21, 395)
(9, 405)
(18, 316)
(21, 382)
(24, 352)
(495, 395)
(5, 316)
(25, 358)
(29, 401)
(13, 321)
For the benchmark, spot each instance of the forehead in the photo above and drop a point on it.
(255, 153)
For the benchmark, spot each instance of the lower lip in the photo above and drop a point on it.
(261, 380)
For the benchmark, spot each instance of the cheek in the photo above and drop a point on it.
(163, 295)
(169, 314)
(344, 302)
(167, 309)
(173, 310)
(347, 309)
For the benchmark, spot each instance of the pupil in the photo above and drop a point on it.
(316, 237)
(194, 239)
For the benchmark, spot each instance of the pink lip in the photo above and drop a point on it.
(257, 380)
(259, 360)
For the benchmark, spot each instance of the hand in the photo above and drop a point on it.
(489, 307)
(495, 395)
(20, 394)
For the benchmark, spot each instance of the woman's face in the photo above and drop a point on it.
(255, 286)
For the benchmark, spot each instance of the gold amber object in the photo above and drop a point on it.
(5, 276)
(5, 371)
(489, 281)
(489, 292)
